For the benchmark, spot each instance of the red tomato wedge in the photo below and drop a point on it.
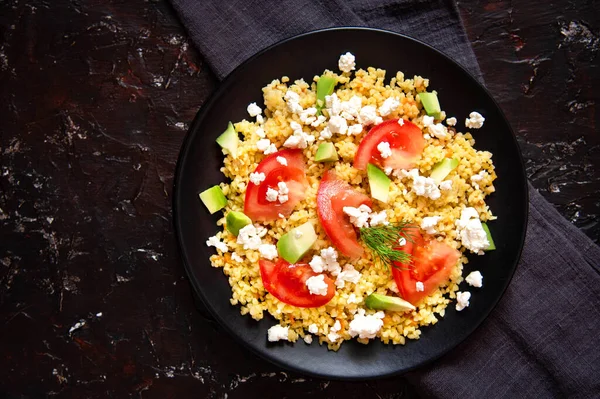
(256, 206)
(406, 142)
(431, 263)
(332, 197)
(287, 283)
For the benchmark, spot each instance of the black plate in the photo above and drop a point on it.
(304, 57)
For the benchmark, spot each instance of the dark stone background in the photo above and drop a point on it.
(95, 99)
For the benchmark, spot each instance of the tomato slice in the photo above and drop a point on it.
(256, 205)
(332, 197)
(431, 263)
(287, 283)
(406, 142)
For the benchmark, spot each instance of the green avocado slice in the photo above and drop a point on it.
(214, 199)
(293, 245)
(326, 153)
(442, 169)
(235, 221)
(379, 183)
(229, 140)
(431, 104)
(489, 237)
(386, 302)
(325, 86)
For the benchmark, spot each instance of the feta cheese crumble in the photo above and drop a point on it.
(236, 258)
(358, 216)
(307, 116)
(348, 274)
(216, 242)
(355, 129)
(268, 251)
(272, 194)
(313, 328)
(423, 186)
(446, 185)
(384, 149)
(352, 299)
(260, 132)
(462, 300)
(438, 130)
(338, 124)
(257, 177)
(366, 326)
(347, 63)
(254, 110)
(402, 241)
(419, 286)
(428, 224)
(401, 121)
(278, 333)
(265, 146)
(367, 115)
(282, 161)
(475, 279)
(292, 100)
(327, 261)
(451, 121)
(470, 231)
(474, 121)
(427, 120)
(378, 218)
(389, 106)
(250, 236)
(308, 339)
(317, 285)
(298, 139)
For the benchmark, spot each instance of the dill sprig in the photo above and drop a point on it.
(383, 242)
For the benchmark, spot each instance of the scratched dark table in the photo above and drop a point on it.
(95, 99)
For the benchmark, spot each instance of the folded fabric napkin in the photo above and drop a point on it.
(542, 339)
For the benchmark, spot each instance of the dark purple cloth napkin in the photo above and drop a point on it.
(542, 340)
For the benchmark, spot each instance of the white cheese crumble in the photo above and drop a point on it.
(282, 161)
(475, 179)
(352, 298)
(367, 115)
(313, 328)
(428, 224)
(272, 194)
(265, 146)
(327, 261)
(257, 177)
(250, 236)
(337, 326)
(254, 110)
(260, 132)
(389, 106)
(338, 124)
(348, 274)
(355, 129)
(236, 258)
(475, 279)
(393, 285)
(278, 333)
(474, 121)
(388, 170)
(351, 108)
(446, 185)
(283, 192)
(462, 300)
(347, 63)
(333, 104)
(292, 99)
(401, 121)
(358, 216)
(427, 120)
(216, 242)
(317, 285)
(471, 232)
(260, 119)
(268, 251)
(308, 339)
(419, 286)
(402, 241)
(384, 149)
(333, 336)
(366, 326)
(451, 121)
(378, 218)
(438, 130)
(423, 186)
(299, 139)
(307, 116)
(325, 134)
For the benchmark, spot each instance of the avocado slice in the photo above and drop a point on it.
(293, 245)
(431, 104)
(235, 221)
(386, 302)
(379, 183)
(325, 86)
(489, 237)
(326, 153)
(443, 168)
(213, 198)
(229, 140)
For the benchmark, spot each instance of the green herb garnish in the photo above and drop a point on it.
(383, 241)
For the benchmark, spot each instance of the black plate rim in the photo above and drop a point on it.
(185, 147)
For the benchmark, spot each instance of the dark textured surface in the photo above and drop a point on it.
(95, 98)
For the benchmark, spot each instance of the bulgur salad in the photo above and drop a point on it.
(351, 206)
